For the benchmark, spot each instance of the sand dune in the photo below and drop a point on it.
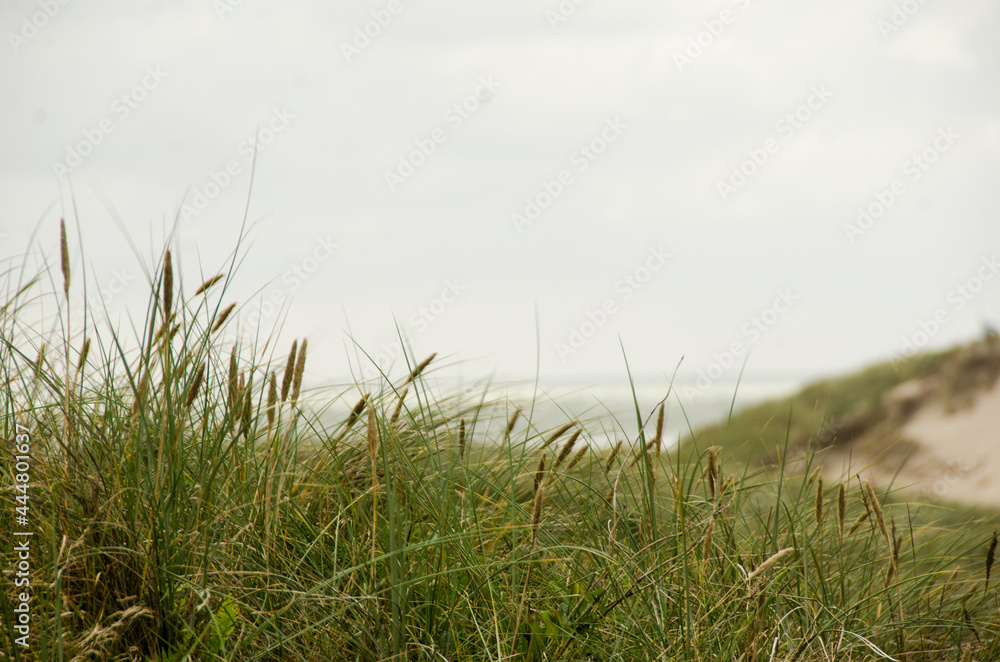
(934, 437)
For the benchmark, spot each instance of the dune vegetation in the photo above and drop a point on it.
(187, 500)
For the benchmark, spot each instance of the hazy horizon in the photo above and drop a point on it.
(807, 183)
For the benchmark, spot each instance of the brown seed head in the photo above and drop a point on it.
(536, 514)
(168, 285)
(819, 500)
(64, 255)
(859, 521)
(461, 439)
(399, 407)
(140, 396)
(897, 542)
(207, 284)
(877, 509)
(223, 316)
(712, 470)
(420, 368)
(286, 380)
(40, 361)
(193, 391)
(613, 455)
(511, 423)
(706, 547)
(300, 367)
(558, 433)
(658, 439)
(639, 453)
(567, 447)
(272, 399)
(579, 456)
(83, 355)
(539, 474)
(356, 412)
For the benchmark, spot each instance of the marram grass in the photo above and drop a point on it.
(189, 503)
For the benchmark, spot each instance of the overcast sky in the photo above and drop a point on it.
(683, 178)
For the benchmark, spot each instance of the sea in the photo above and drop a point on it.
(606, 409)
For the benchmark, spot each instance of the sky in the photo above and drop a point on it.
(542, 187)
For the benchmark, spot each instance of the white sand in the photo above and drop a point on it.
(951, 456)
(959, 455)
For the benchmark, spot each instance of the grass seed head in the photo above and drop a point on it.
(567, 448)
(356, 412)
(659, 428)
(64, 256)
(769, 562)
(612, 456)
(83, 355)
(420, 368)
(223, 316)
(539, 474)
(168, 286)
(300, 367)
(140, 397)
(286, 380)
(891, 572)
(864, 496)
(40, 361)
(247, 415)
(207, 284)
(712, 470)
(511, 423)
(399, 407)
(859, 521)
(819, 500)
(461, 439)
(579, 456)
(877, 509)
(558, 433)
(272, 399)
(536, 515)
(195, 386)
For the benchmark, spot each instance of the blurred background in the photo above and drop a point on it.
(535, 190)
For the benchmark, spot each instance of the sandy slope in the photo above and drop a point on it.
(930, 441)
(959, 453)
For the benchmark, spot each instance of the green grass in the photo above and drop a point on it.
(182, 509)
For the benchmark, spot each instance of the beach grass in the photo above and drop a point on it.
(188, 500)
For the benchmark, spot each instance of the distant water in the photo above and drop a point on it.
(606, 409)
(610, 409)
